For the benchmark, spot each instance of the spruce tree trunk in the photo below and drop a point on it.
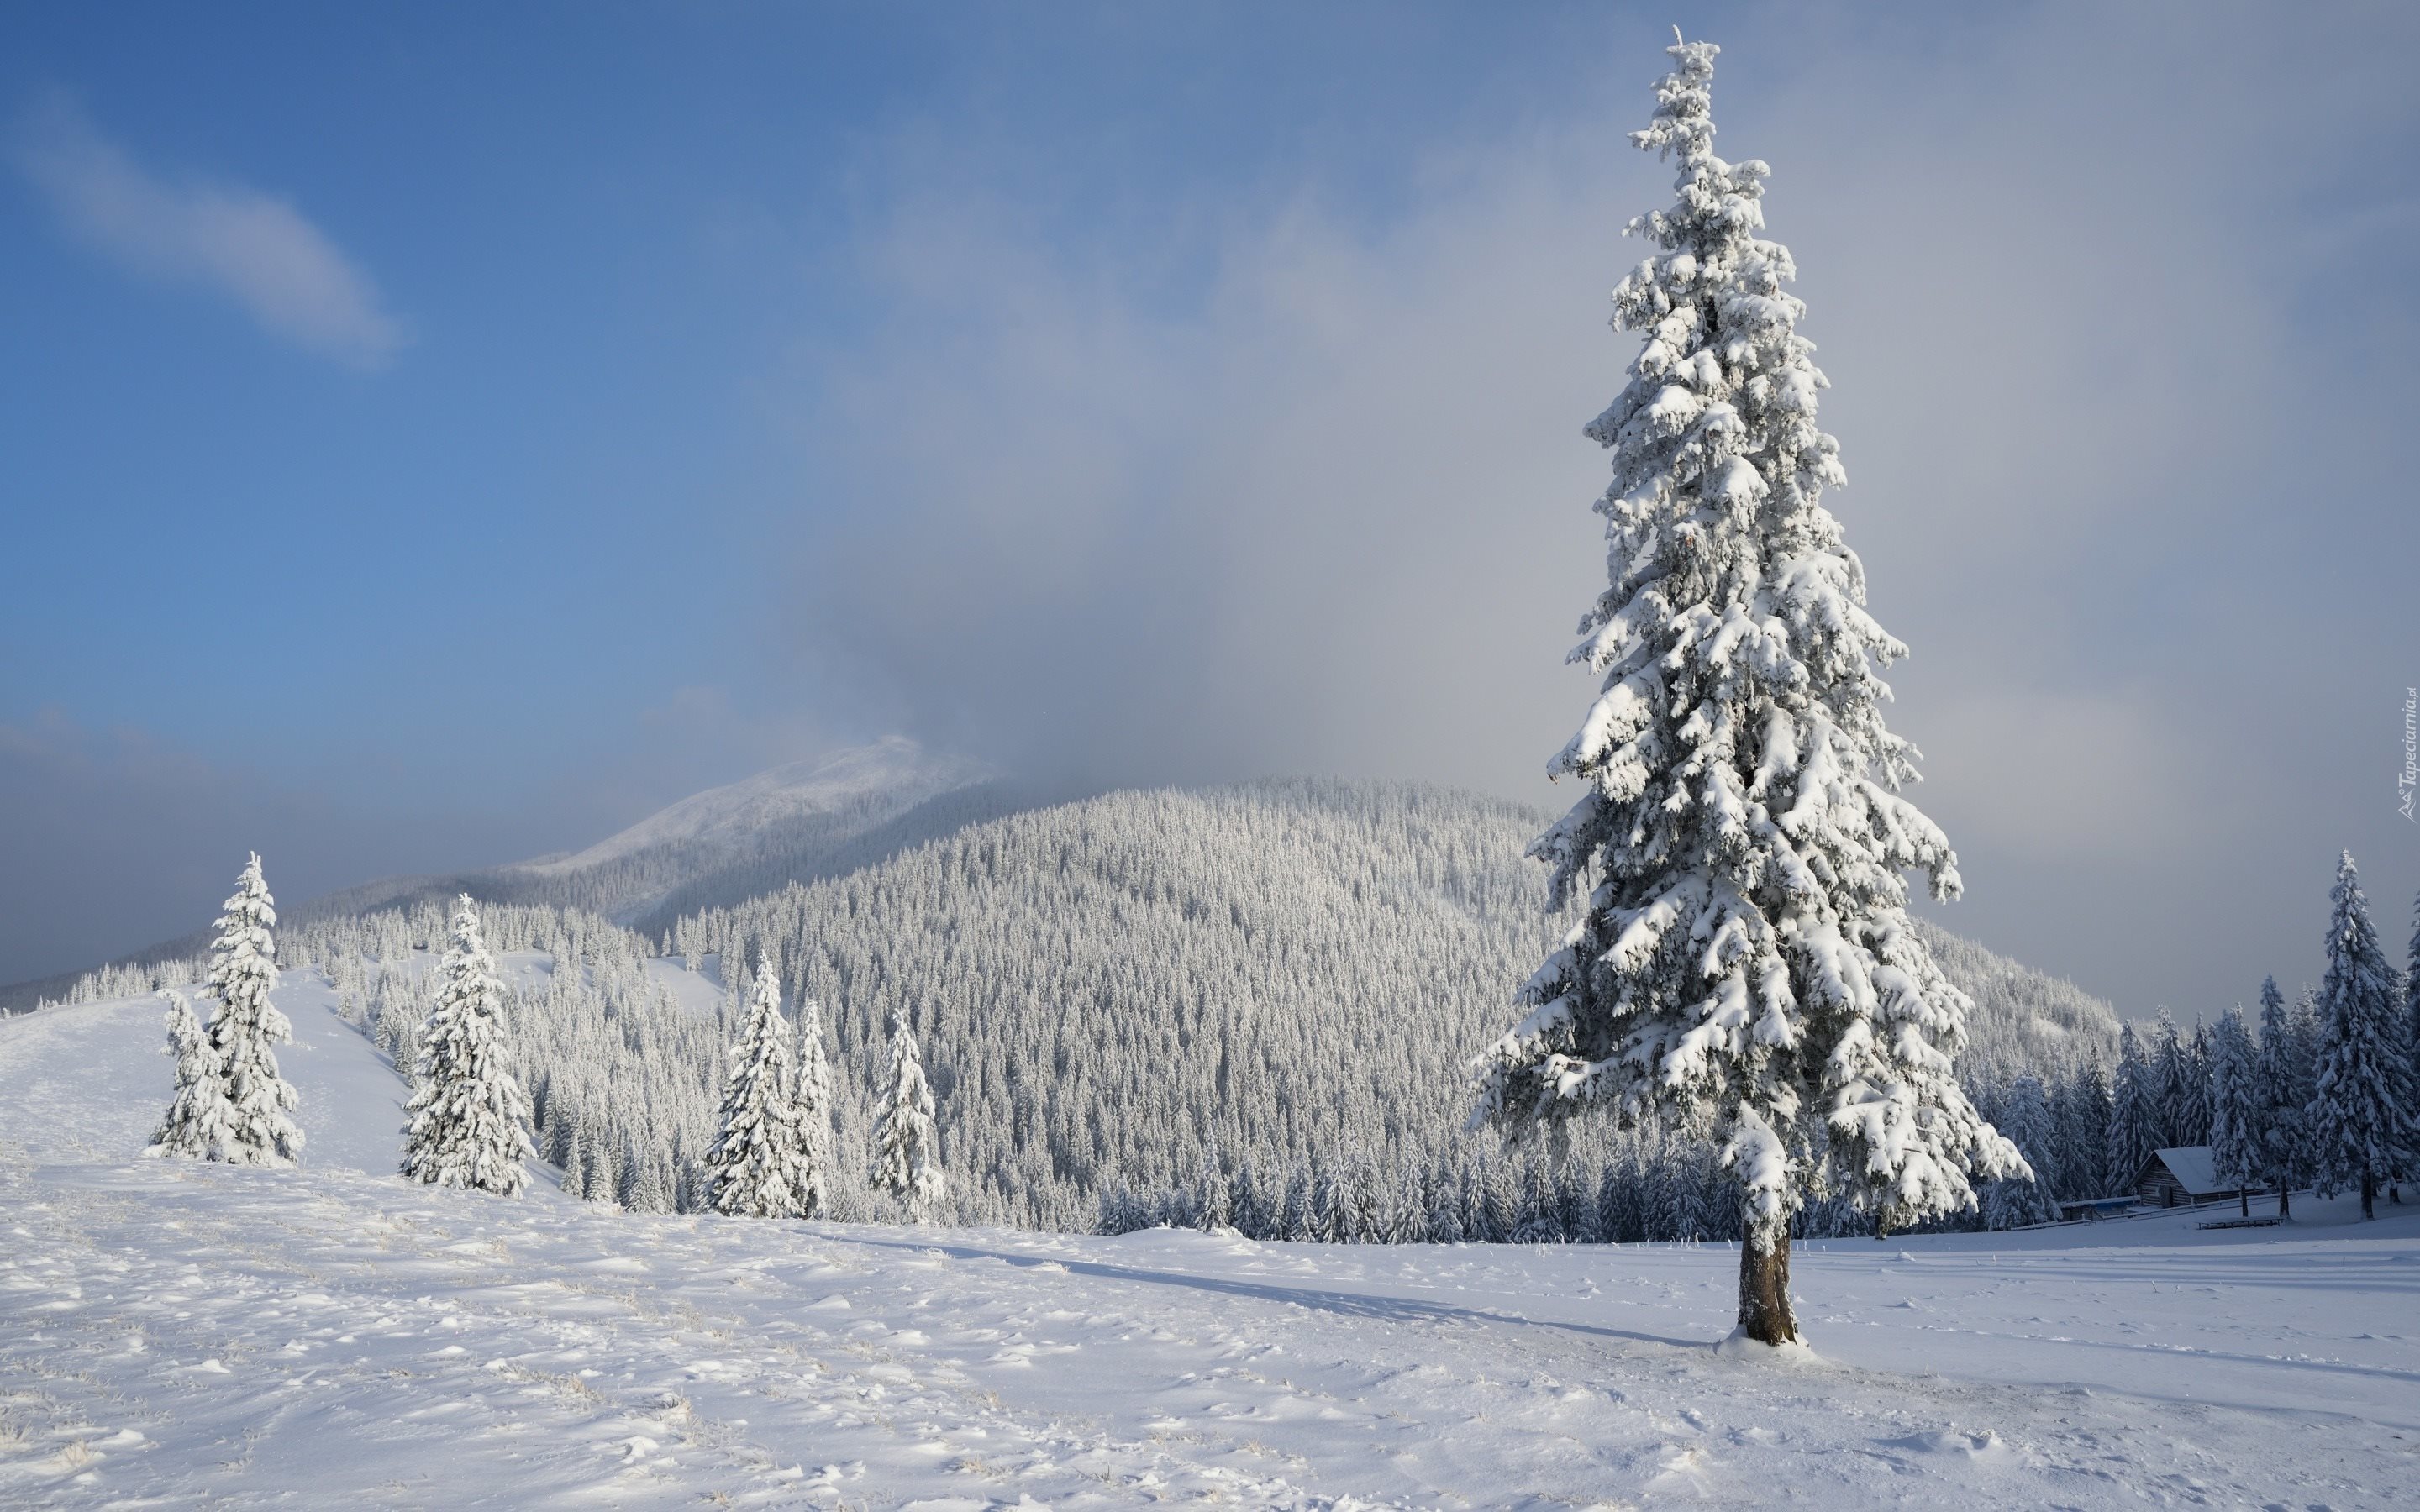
(2369, 1196)
(2243, 1196)
(2284, 1200)
(1764, 1290)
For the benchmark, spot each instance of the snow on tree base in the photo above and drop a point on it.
(1738, 1346)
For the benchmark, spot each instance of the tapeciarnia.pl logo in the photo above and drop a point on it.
(2409, 778)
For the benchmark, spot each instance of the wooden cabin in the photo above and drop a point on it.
(2082, 1209)
(2179, 1178)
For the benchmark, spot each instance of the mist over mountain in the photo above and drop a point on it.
(792, 823)
(791, 813)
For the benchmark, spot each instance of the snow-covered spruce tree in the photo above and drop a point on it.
(811, 1115)
(2084, 1130)
(906, 1147)
(1746, 951)
(2195, 1129)
(2236, 1106)
(2287, 1078)
(2411, 996)
(754, 1166)
(2362, 1122)
(2183, 1063)
(470, 1120)
(197, 1111)
(2132, 1096)
(1214, 1194)
(2184, 1085)
(2022, 1113)
(595, 1168)
(244, 967)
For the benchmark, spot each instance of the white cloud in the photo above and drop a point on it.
(255, 248)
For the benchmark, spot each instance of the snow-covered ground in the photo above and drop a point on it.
(175, 1335)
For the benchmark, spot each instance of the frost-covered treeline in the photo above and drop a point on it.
(1131, 1004)
(1104, 990)
(1291, 975)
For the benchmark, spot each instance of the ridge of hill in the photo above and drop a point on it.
(1340, 859)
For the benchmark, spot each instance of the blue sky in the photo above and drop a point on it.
(438, 435)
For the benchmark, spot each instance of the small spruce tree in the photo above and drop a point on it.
(754, 1165)
(197, 1111)
(1214, 1204)
(1744, 956)
(906, 1146)
(811, 1115)
(2361, 1108)
(575, 1171)
(256, 1130)
(470, 1120)
(595, 1168)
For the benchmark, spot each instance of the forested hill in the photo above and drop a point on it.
(1109, 986)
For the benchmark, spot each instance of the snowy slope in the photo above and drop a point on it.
(334, 1336)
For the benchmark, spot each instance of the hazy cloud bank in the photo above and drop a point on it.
(1328, 511)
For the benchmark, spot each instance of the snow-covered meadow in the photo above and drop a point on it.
(180, 1333)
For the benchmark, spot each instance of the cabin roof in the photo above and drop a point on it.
(2192, 1166)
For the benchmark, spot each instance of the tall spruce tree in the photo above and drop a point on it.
(2287, 1078)
(907, 1147)
(754, 1166)
(2236, 1106)
(2084, 1130)
(2134, 1098)
(2172, 1113)
(2361, 1109)
(1746, 954)
(811, 1115)
(197, 1110)
(470, 1120)
(243, 968)
(2193, 1106)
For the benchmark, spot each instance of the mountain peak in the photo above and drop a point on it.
(891, 773)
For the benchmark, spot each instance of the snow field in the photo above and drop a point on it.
(331, 1335)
